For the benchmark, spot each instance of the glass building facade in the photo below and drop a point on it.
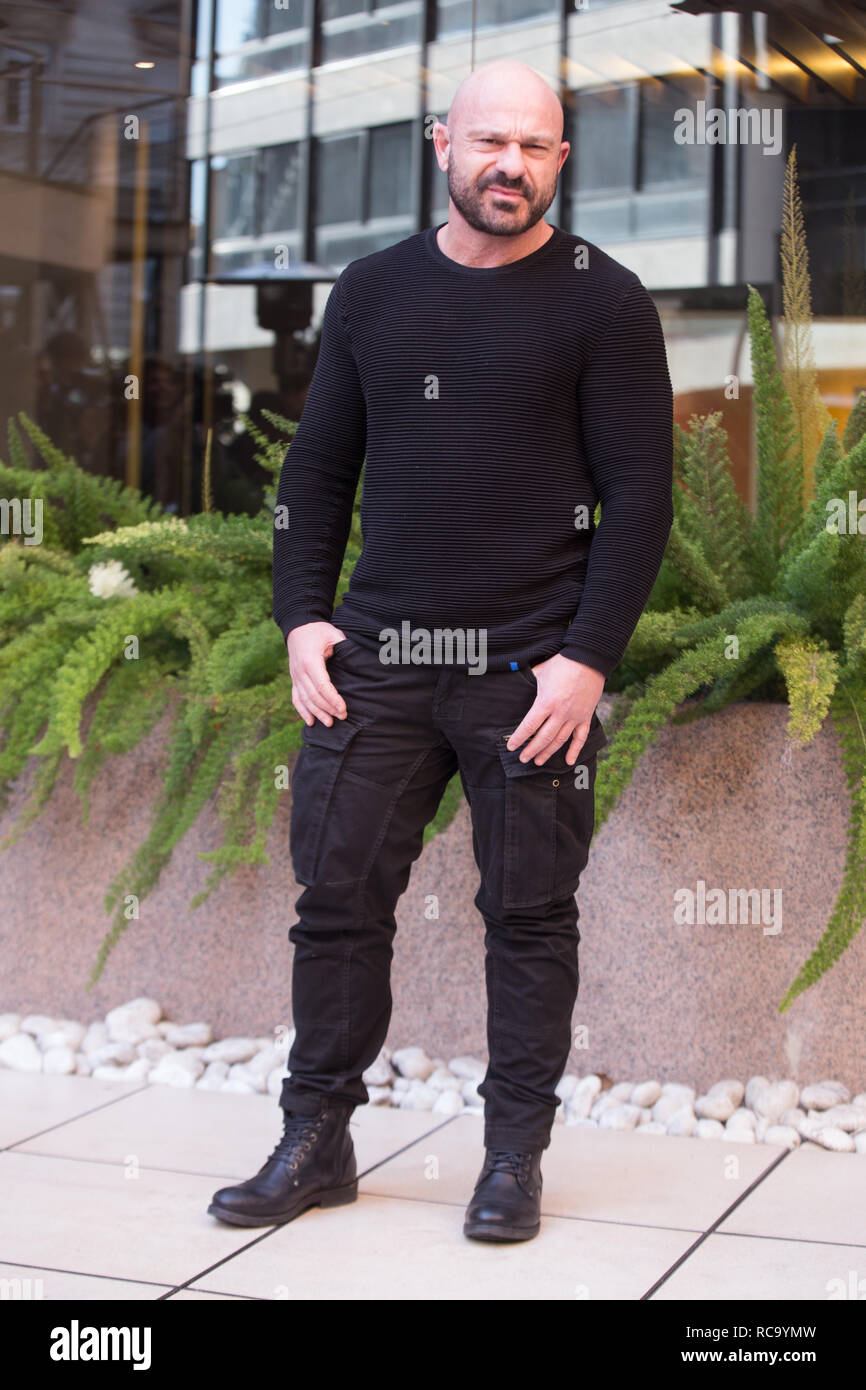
(181, 182)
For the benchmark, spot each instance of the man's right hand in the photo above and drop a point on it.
(313, 695)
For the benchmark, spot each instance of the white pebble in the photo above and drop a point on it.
(623, 1116)
(58, 1061)
(836, 1139)
(118, 1052)
(66, 1034)
(108, 1072)
(469, 1068)
(772, 1101)
(582, 1098)
(413, 1062)
(580, 1122)
(238, 1087)
(177, 1069)
(134, 1021)
(682, 1122)
(565, 1087)
(82, 1065)
(606, 1101)
(138, 1070)
(645, 1093)
(720, 1106)
(847, 1117)
(667, 1106)
(442, 1080)
(418, 1097)
(622, 1090)
(786, 1135)
(448, 1102)
(754, 1086)
(740, 1134)
(653, 1127)
(242, 1071)
(741, 1119)
(230, 1050)
(709, 1129)
(730, 1086)
(20, 1053)
(262, 1064)
(37, 1024)
(379, 1073)
(469, 1092)
(188, 1034)
(9, 1024)
(791, 1118)
(95, 1037)
(684, 1094)
(822, 1095)
(860, 1142)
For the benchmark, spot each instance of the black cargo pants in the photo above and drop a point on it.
(362, 791)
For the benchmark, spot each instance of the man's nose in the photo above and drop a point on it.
(511, 161)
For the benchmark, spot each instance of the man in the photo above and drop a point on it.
(499, 376)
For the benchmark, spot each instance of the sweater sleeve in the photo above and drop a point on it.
(626, 406)
(318, 480)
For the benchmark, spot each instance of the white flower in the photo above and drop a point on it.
(109, 579)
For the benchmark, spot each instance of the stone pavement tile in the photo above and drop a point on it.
(381, 1248)
(199, 1296)
(31, 1103)
(813, 1195)
(750, 1267)
(40, 1284)
(91, 1218)
(602, 1175)
(225, 1135)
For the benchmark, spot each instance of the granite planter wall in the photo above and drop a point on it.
(715, 800)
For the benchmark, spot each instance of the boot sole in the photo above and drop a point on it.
(331, 1197)
(479, 1230)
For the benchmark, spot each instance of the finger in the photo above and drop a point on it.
(528, 725)
(549, 738)
(322, 697)
(576, 744)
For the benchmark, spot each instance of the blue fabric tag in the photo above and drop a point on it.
(513, 665)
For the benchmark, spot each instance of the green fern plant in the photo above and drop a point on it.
(766, 607)
(188, 630)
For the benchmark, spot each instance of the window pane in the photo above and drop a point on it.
(238, 21)
(234, 200)
(662, 159)
(280, 209)
(338, 180)
(390, 170)
(604, 139)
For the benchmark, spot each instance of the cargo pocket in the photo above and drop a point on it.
(548, 821)
(314, 779)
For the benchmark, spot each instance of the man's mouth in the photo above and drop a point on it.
(504, 192)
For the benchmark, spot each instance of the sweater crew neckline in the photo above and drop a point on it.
(433, 250)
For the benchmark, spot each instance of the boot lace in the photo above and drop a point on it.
(506, 1161)
(300, 1132)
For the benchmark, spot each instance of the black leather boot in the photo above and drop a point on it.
(506, 1204)
(312, 1165)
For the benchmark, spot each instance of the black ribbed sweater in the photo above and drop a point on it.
(495, 407)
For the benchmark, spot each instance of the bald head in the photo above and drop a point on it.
(502, 149)
(509, 83)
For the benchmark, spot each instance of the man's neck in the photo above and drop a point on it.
(462, 243)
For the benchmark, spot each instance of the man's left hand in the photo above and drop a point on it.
(568, 693)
